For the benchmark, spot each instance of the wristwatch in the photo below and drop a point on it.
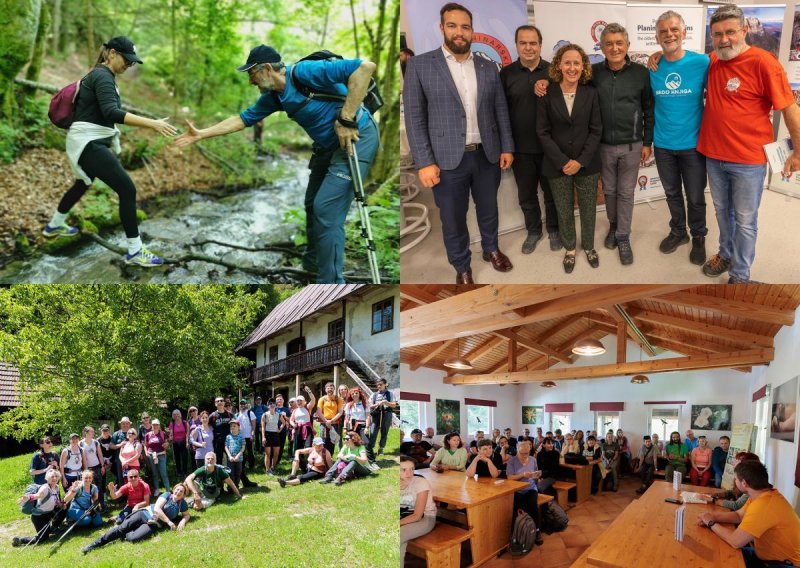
(711, 523)
(344, 122)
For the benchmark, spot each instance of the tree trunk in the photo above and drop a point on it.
(91, 52)
(18, 28)
(388, 159)
(57, 46)
(377, 45)
(355, 28)
(35, 67)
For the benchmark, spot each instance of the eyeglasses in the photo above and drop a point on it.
(726, 33)
(132, 476)
(347, 439)
(253, 70)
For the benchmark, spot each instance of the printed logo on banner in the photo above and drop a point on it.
(491, 48)
(596, 32)
(733, 84)
(673, 81)
(642, 183)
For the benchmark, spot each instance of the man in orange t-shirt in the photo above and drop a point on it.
(744, 84)
(767, 519)
(331, 406)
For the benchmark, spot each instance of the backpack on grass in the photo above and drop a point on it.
(372, 100)
(554, 518)
(523, 536)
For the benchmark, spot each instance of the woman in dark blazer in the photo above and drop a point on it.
(569, 126)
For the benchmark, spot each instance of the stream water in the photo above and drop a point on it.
(250, 218)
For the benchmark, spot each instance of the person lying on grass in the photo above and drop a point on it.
(145, 522)
(138, 494)
(206, 483)
(319, 461)
(352, 461)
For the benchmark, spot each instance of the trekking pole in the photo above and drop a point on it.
(39, 534)
(361, 202)
(75, 524)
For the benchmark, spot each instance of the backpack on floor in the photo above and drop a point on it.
(523, 536)
(554, 518)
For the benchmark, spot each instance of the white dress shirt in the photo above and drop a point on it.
(466, 81)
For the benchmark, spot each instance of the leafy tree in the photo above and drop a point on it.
(95, 352)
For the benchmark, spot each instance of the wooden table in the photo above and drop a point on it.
(489, 504)
(644, 535)
(583, 480)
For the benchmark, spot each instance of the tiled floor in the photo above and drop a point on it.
(586, 522)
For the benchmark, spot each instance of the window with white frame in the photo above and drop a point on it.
(479, 418)
(412, 414)
(605, 420)
(664, 421)
(762, 423)
(561, 421)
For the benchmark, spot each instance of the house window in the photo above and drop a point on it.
(561, 421)
(664, 421)
(411, 414)
(383, 316)
(335, 330)
(479, 418)
(605, 421)
(273, 353)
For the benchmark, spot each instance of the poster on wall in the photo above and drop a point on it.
(533, 415)
(765, 23)
(784, 411)
(741, 441)
(448, 416)
(712, 416)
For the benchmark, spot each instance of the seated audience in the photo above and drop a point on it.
(351, 462)
(430, 437)
(690, 441)
(522, 467)
(48, 512)
(136, 491)
(473, 445)
(502, 453)
(624, 453)
(80, 498)
(418, 449)
(647, 464)
(570, 446)
(483, 465)
(510, 438)
(495, 437)
(549, 461)
(767, 519)
(526, 435)
(318, 462)
(417, 509)
(677, 454)
(452, 456)
(718, 458)
(43, 461)
(206, 482)
(700, 457)
(611, 457)
(538, 440)
(558, 441)
(593, 455)
(580, 441)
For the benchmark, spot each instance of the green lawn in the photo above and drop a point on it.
(310, 525)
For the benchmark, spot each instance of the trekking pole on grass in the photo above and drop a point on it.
(41, 532)
(75, 524)
(363, 212)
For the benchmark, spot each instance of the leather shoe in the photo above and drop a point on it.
(499, 261)
(465, 277)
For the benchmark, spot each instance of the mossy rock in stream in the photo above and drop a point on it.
(88, 227)
(57, 244)
(23, 244)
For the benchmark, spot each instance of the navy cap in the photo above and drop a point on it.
(260, 54)
(124, 46)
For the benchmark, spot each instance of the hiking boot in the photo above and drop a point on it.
(591, 256)
(16, 541)
(672, 242)
(538, 540)
(716, 265)
(555, 240)
(326, 480)
(569, 263)
(625, 251)
(611, 237)
(290, 477)
(737, 280)
(60, 231)
(339, 481)
(530, 243)
(281, 482)
(87, 548)
(698, 253)
(143, 258)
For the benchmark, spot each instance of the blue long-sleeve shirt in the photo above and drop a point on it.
(718, 459)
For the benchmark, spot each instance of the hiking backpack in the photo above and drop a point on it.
(31, 505)
(372, 100)
(523, 536)
(62, 105)
(554, 518)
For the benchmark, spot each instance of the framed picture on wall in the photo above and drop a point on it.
(711, 416)
(533, 415)
(784, 411)
(448, 416)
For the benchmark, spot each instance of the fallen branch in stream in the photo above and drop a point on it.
(283, 249)
(266, 271)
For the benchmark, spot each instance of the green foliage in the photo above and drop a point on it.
(8, 142)
(138, 149)
(90, 353)
(99, 205)
(297, 216)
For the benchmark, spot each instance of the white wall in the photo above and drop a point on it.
(781, 456)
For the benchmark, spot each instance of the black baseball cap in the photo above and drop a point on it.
(124, 46)
(260, 54)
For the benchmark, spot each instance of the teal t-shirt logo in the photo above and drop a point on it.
(673, 81)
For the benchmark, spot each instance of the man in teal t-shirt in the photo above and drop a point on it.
(678, 87)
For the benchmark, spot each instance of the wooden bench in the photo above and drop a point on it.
(441, 548)
(562, 492)
(659, 473)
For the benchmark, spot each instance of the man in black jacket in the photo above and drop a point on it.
(626, 105)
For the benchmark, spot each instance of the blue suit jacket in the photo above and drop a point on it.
(435, 120)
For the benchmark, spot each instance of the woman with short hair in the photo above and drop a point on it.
(49, 511)
(271, 422)
(351, 462)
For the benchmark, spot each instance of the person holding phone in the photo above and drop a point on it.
(523, 467)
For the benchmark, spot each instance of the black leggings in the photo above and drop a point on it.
(132, 529)
(40, 522)
(98, 161)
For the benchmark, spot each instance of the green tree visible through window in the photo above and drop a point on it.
(409, 415)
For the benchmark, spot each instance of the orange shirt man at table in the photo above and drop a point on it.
(482, 465)
(767, 519)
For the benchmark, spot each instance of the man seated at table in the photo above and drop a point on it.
(526, 435)
(718, 458)
(677, 454)
(767, 519)
(648, 463)
(558, 441)
(483, 465)
(432, 439)
(418, 450)
(512, 440)
(502, 453)
(522, 467)
(593, 455)
(473, 445)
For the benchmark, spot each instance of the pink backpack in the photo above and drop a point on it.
(62, 105)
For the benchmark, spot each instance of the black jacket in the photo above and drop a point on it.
(626, 103)
(518, 82)
(567, 137)
(98, 101)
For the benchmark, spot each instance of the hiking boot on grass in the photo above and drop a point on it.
(326, 480)
(698, 253)
(716, 265)
(625, 251)
(611, 237)
(672, 242)
(340, 481)
(59, 231)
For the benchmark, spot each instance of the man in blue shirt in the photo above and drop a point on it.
(718, 458)
(678, 87)
(258, 410)
(333, 126)
(691, 441)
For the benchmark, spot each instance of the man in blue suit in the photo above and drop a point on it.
(458, 129)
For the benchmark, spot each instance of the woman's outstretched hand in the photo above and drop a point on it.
(189, 137)
(163, 127)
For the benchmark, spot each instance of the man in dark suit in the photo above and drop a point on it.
(458, 129)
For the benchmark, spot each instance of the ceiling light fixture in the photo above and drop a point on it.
(548, 384)
(458, 362)
(588, 347)
(640, 379)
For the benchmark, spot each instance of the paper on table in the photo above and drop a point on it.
(679, 519)
(692, 497)
(777, 153)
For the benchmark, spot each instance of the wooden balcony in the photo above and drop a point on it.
(305, 361)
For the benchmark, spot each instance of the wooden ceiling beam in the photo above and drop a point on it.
(483, 349)
(697, 362)
(723, 306)
(424, 358)
(532, 345)
(484, 310)
(744, 338)
(417, 295)
(559, 327)
(617, 317)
